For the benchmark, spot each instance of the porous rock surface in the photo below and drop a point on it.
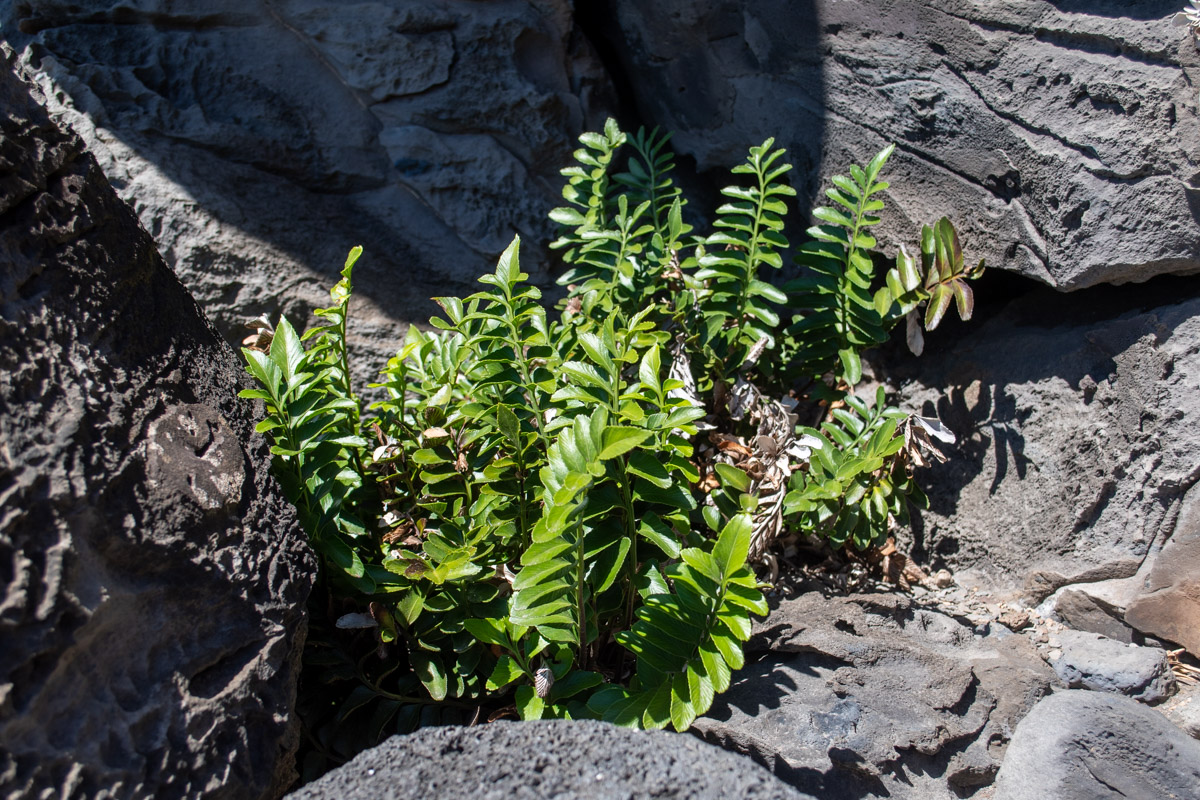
(583, 760)
(1078, 428)
(1060, 136)
(259, 140)
(154, 578)
(873, 695)
(1090, 661)
(1080, 745)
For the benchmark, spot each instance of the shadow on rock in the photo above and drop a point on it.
(875, 695)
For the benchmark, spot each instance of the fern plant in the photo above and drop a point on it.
(750, 235)
(840, 311)
(530, 518)
(312, 416)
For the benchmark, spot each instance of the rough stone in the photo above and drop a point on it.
(1078, 428)
(1168, 603)
(583, 760)
(259, 141)
(1083, 612)
(874, 695)
(1184, 710)
(1061, 137)
(1080, 745)
(1091, 661)
(155, 578)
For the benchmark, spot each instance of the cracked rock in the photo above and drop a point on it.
(1059, 137)
(1078, 428)
(874, 694)
(1168, 604)
(1081, 745)
(259, 141)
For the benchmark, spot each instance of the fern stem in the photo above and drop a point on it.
(580, 609)
(522, 506)
(355, 418)
(631, 531)
(751, 255)
(520, 356)
(531, 397)
(843, 297)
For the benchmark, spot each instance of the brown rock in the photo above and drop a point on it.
(1081, 611)
(1169, 606)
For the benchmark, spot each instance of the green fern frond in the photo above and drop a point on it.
(750, 236)
(856, 482)
(329, 340)
(621, 233)
(311, 416)
(591, 201)
(648, 176)
(837, 315)
(688, 641)
(550, 592)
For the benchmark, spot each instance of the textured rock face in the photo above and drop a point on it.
(1091, 661)
(871, 695)
(259, 141)
(155, 578)
(1083, 612)
(533, 760)
(1079, 745)
(1059, 136)
(1168, 600)
(1184, 710)
(1078, 431)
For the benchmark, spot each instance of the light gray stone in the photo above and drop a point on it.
(1080, 745)
(152, 614)
(1078, 428)
(1091, 661)
(1184, 710)
(873, 695)
(1060, 137)
(259, 141)
(583, 760)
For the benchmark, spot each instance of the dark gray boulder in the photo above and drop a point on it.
(1080, 745)
(1091, 661)
(1061, 137)
(875, 695)
(154, 576)
(584, 760)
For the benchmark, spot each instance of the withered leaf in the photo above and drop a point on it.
(543, 682)
(435, 434)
